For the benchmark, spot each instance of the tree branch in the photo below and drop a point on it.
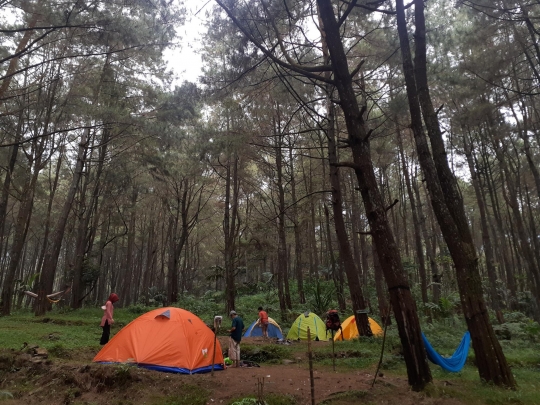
(357, 68)
(375, 9)
(304, 70)
(350, 7)
(391, 205)
(351, 165)
(52, 27)
(5, 145)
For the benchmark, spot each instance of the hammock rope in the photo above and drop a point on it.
(453, 363)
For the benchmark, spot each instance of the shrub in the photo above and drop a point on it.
(261, 354)
(58, 350)
(139, 309)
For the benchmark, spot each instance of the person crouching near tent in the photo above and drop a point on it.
(107, 319)
(263, 322)
(235, 337)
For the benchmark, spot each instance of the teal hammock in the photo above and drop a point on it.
(454, 363)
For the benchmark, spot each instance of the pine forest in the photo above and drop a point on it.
(376, 157)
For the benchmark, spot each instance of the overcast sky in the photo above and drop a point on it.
(186, 62)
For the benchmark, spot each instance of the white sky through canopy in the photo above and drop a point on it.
(185, 61)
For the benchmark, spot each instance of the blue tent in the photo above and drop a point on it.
(454, 363)
(274, 330)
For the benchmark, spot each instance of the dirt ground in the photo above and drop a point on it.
(78, 381)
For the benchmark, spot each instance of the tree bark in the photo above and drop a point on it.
(486, 239)
(230, 228)
(382, 299)
(333, 265)
(447, 203)
(282, 268)
(416, 222)
(21, 229)
(46, 280)
(400, 295)
(298, 248)
(345, 253)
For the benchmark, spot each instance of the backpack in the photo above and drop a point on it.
(332, 320)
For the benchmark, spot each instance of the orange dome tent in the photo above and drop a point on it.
(165, 339)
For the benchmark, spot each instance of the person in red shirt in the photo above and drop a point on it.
(107, 319)
(263, 321)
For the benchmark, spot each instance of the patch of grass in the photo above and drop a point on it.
(5, 395)
(358, 353)
(190, 395)
(75, 334)
(342, 398)
(69, 328)
(466, 386)
(265, 353)
(269, 399)
(58, 350)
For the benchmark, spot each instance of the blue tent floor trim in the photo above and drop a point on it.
(454, 363)
(175, 370)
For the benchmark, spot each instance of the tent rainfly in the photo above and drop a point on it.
(350, 330)
(316, 326)
(166, 339)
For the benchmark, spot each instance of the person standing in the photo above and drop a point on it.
(263, 321)
(235, 338)
(107, 319)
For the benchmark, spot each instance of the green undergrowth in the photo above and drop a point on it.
(59, 331)
(190, 395)
(74, 335)
(465, 386)
(266, 353)
(269, 399)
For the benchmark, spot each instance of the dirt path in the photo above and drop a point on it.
(293, 379)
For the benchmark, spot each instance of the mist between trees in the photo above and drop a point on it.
(391, 156)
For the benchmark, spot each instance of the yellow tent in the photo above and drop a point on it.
(317, 328)
(350, 331)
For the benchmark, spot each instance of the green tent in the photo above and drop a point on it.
(316, 326)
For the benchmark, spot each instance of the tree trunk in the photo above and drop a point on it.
(379, 288)
(14, 61)
(283, 281)
(298, 250)
(21, 228)
(345, 253)
(84, 232)
(501, 247)
(486, 239)
(229, 228)
(447, 203)
(400, 295)
(46, 280)
(416, 222)
(333, 265)
(6, 187)
(52, 193)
